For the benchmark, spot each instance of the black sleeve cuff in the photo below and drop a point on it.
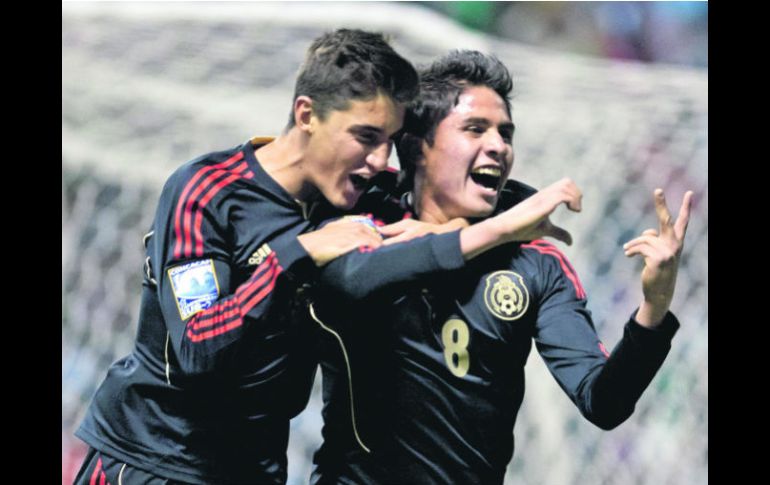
(662, 334)
(295, 260)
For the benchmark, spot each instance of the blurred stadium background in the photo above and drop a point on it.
(613, 95)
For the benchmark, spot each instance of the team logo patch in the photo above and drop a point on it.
(505, 295)
(195, 286)
(260, 255)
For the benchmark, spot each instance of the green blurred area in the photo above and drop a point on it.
(476, 15)
(660, 32)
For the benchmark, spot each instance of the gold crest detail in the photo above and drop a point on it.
(506, 296)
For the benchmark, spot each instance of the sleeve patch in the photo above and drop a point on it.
(195, 286)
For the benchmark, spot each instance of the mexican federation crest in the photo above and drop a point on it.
(505, 295)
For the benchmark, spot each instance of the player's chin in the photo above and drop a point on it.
(481, 214)
(478, 210)
(485, 205)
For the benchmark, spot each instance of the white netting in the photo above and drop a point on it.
(146, 87)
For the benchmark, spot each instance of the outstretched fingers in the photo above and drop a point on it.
(680, 226)
(396, 228)
(566, 191)
(558, 233)
(661, 209)
(574, 196)
(656, 252)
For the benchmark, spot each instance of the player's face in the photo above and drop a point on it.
(464, 170)
(351, 146)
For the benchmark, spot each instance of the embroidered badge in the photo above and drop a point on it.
(195, 286)
(505, 295)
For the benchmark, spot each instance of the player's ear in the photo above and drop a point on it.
(303, 113)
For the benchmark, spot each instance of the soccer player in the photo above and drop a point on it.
(423, 380)
(221, 360)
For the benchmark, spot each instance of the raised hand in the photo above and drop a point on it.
(525, 221)
(337, 238)
(529, 220)
(661, 250)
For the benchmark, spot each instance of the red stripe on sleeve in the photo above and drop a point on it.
(193, 205)
(199, 211)
(97, 469)
(236, 174)
(214, 315)
(567, 268)
(544, 247)
(228, 315)
(257, 279)
(275, 271)
(222, 319)
(195, 338)
(181, 203)
(604, 350)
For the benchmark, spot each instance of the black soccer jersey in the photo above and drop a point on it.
(432, 376)
(221, 361)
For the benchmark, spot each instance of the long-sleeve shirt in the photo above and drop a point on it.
(423, 379)
(221, 360)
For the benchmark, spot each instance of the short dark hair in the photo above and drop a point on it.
(352, 64)
(441, 84)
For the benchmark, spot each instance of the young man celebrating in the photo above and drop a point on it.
(220, 363)
(423, 380)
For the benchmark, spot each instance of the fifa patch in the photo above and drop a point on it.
(506, 295)
(195, 286)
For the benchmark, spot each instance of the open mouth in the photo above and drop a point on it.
(488, 177)
(359, 182)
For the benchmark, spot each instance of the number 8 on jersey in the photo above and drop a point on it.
(455, 337)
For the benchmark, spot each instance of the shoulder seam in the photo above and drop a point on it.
(199, 190)
(546, 248)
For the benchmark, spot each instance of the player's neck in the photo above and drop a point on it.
(282, 160)
(427, 210)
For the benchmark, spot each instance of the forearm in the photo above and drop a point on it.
(611, 395)
(481, 237)
(360, 275)
(651, 314)
(204, 340)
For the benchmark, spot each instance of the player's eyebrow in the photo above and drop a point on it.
(484, 121)
(366, 129)
(370, 131)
